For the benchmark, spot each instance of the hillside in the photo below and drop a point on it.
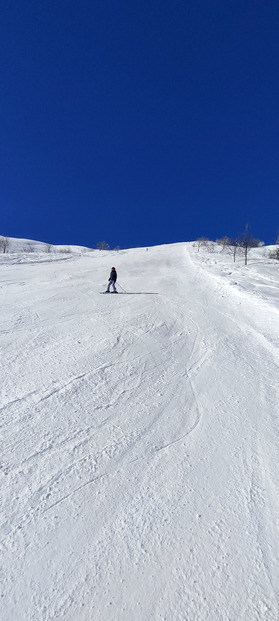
(140, 435)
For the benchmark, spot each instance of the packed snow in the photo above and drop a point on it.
(140, 435)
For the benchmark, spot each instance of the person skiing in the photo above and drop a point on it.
(112, 280)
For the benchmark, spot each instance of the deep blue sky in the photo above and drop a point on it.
(139, 122)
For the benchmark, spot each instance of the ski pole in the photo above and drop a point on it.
(121, 287)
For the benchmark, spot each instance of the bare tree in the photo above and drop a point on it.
(231, 246)
(28, 249)
(117, 248)
(246, 241)
(274, 254)
(4, 243)
(65, 250)
(224, 242)
(234, 247)
(210, 247)
(102, 245)
(202, 241)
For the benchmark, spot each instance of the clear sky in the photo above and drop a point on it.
(139, 122)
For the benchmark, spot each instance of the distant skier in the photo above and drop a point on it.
(112, 280)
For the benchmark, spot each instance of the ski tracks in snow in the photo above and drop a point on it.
(134, 484)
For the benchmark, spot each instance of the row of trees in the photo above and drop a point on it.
(104, 246)
(243, 243)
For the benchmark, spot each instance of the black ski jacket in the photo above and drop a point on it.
(113, 275)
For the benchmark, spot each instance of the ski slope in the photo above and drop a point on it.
(140, 436)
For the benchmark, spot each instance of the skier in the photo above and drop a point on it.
(112, 280)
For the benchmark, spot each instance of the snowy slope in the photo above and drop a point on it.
(140, 435)
(31, 246)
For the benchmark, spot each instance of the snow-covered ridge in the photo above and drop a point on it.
(31, 251)
(17, 245)
(139, 437)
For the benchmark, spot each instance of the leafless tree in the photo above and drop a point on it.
(246, 241)
(210, 247)
(234, 248)
(224, 242)
(102, 245)
(202, 241)
(28, 249)
(274, 254)
(4, 243)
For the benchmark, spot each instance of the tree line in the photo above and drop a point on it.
(242, 243)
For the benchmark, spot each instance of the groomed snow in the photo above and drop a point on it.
(140, 436)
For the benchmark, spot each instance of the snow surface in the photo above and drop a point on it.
(140, 436)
